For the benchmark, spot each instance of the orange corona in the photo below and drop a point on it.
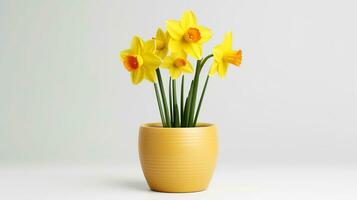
(192, 35)
(131, 63)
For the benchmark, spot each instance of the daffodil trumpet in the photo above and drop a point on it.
(171, 50)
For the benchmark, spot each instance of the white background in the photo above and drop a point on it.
(66, 98)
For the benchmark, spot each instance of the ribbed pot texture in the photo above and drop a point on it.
(178, 159)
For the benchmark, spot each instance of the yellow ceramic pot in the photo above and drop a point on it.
(178, 159)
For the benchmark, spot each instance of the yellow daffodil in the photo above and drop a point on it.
(177, 63)
(161, 41)
(224, 55)
(140, 60)
(187, 36)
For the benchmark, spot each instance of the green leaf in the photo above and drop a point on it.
(182, 96)
(200, 103)
(187, 106)
(194, 94)
(163, 96)
(170, 100)
(159, 105)
(176, 111)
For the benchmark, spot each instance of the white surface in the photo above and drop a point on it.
(65, 96)
(301, 182)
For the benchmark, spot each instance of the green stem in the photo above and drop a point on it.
(199, 66)
(205, 60)
(183, 121)
(159, 105)
(187, 106)
(200, 103)
(177, 115)
(194, 93)
(175, 105)
(163, 96)
(170, 101)
(182, 94)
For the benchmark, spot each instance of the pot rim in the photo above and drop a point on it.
(158, 125)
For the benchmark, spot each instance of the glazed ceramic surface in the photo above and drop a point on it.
(178, 159)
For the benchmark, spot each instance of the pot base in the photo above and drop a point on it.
(178, 191)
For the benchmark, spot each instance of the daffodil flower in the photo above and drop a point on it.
(187, 36)
(162, 42)
(177, 63)
(140, 60)
(224, 55)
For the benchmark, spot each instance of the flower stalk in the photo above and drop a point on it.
(159, 105)
(200, 103)
(163, 96)
(194, 93)
(176, 115)
(182, 96)
(170, 103)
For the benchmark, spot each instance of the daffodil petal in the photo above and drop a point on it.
(193, 49)
(187, 68)
(162, 53)
(227, 42)
(151, 61)
(137, 76)
(125, 53)
(140, 60)
(175, 45)
(213, 69)
(150, 75)
(206, 34)
(149, 46)
(179, 54)
(161, 40)
(218, 52)
(175, 30)
(136, 45)
(160, 34)
(188, 20)
(167, 36)
(174, 73)
(167, 62)
(222, 69)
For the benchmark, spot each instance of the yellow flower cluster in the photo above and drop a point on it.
(170, 50)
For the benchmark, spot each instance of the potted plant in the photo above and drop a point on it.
(178, 154)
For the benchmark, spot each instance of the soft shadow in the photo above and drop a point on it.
(134, 184)
(130, 184)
